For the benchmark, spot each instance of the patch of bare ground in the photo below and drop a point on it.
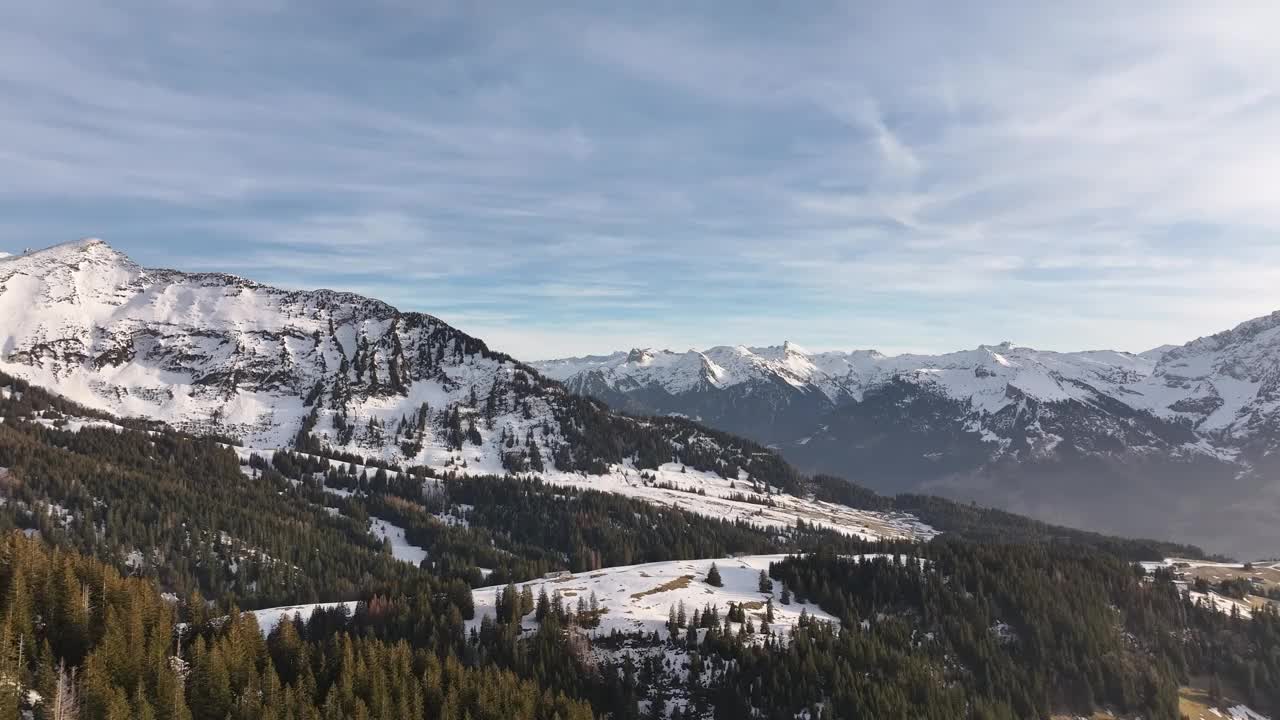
(1195, 702)
(1263, 575)
(678, 584)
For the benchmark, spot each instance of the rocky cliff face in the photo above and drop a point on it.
(223, 354)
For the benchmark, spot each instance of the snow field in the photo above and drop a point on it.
(638, 598)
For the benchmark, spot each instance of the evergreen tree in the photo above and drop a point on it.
(765, 584)
(713, 576)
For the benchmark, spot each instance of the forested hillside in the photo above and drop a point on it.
(975, 631)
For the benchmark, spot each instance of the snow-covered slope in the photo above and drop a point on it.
(639, 598)
(1227, 385)
(328, 372)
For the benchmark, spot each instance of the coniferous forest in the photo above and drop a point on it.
(128, 553)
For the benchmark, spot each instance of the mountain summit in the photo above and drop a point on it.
(211, 352)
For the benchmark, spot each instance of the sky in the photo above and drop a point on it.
(562, 179)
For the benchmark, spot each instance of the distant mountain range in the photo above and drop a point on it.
(1177, 441)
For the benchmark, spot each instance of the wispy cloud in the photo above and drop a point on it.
(913, 177)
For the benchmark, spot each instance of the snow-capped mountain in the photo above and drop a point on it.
(217, 353)
(338, 374)
(736, 387)
(1047, 433)
(1213, 395)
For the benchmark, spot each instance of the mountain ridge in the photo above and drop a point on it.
(340, 375)
(1001, 424)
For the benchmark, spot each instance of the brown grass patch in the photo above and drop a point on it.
(1194, 701)
(677, 584)
(1270, 577)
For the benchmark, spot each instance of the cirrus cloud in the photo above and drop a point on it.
(914, 177)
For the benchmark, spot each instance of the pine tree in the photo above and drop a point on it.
(543, 606)
(765, 584)
(658, 705)
(141, 706)
(713, 576)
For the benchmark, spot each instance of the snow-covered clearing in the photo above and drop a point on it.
(270, 617)
(401, 548)
(1222, 603)
(1187, 571)
(711, 495)
(638, 598)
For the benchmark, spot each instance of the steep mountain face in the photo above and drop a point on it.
(1177, 440)
(321, 371)
(217, 353)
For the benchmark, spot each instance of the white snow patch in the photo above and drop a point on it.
(270, 617)
(617, 588)
(401, 548)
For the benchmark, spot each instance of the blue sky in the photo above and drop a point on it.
(567, 179)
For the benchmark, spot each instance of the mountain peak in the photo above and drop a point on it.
(639, 355)
(83, 244)
(1262, 332)
(1004, 346)
(74, 252)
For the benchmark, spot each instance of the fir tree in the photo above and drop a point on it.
(713, 576)
(765, 585)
